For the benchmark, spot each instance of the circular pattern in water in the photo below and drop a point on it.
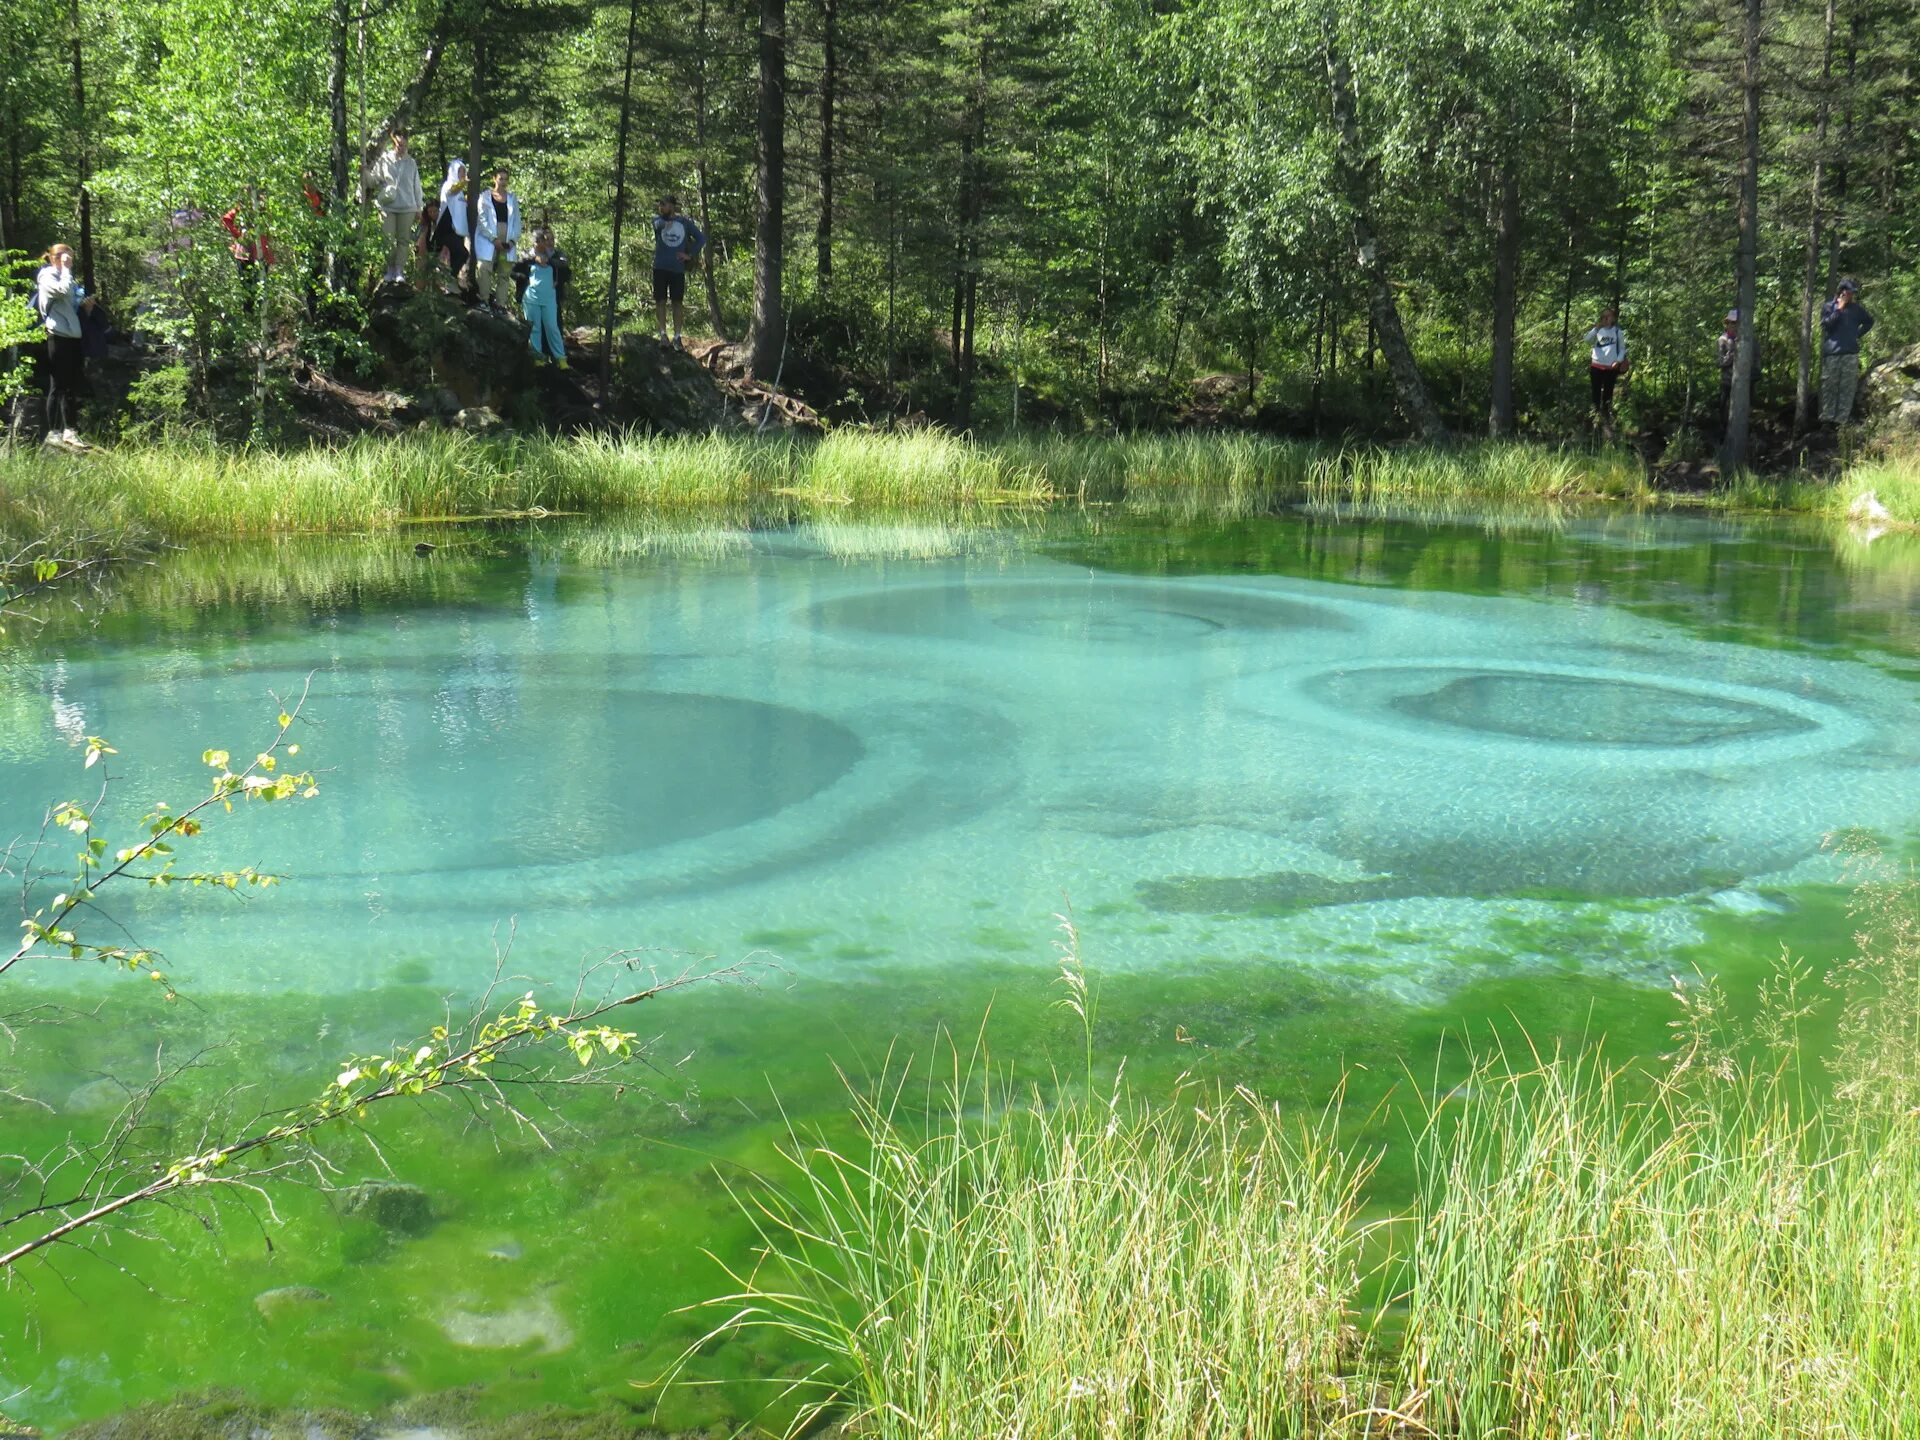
(1098, 610)
(1580, 708)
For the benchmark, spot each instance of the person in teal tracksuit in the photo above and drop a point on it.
(542, 276)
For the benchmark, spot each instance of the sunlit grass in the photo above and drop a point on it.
(1091, 1266)
(1499, 471)
(190, 489)
(1713, 1245)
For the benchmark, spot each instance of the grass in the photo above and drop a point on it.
(1723, 1246)
(187, 490)
(1058, 1267)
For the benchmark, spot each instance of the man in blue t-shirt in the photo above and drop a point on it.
(677, 241)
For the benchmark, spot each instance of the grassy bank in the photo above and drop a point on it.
(189, 491)
(1721, 1247)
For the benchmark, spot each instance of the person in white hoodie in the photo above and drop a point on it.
(394, 180)
(1607, 361)
(60, 298)
(496, 232)
(450, 235)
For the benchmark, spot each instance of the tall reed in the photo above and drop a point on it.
(1076, 1267)
(1718, 1246)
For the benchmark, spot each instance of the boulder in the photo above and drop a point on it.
(436, 346)
(394, 1206)
(666, 390)
(1890, 396)
(476, 419)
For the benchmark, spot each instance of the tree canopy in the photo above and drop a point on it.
(1393, 218)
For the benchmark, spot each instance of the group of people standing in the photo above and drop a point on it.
(480, 245)
(1843, 323)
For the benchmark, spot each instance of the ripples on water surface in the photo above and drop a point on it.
(1314, 790)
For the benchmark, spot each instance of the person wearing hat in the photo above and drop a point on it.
(450, 234)
(676, 241)
(1843, 320)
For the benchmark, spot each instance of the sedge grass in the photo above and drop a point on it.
(1585, 1262)
(193, 490)
(1708, 1248)
(1081, 1267)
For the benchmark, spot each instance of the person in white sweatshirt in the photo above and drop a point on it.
(1608, 361)
(394, 180)
(60, 298)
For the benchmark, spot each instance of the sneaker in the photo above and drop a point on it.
(539, 360)
(678, 343)
(660, 337)
(561, 363)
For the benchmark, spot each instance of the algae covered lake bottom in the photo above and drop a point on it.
(1318, 791)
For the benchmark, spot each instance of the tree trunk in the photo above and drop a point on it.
(476, 122)
(829, 80)
(1353, 175)
(1104, 281)
(767, 341)
(1319, 361)
(619, 207)
(714, 317)
(1803, 394)
(1506, 285)
(1740, 406)
(17, 404)
(341, 145)
(83, 134)
(415, 95)
(1179, 328)
(10, 199)
(966, 274)
(1573, 235)
(967, 368)
(893, 280)
(1837, 209)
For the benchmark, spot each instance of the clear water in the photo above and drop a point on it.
(1316, 792)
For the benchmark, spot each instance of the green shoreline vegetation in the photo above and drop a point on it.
(1723, 1243)
(132, 497)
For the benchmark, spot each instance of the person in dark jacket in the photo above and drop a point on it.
(1843, 320)
(540, 277)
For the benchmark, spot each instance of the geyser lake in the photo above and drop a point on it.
(1321, 793)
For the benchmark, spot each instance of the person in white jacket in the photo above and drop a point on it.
(60, 298)
(496, 231)
(394, 180)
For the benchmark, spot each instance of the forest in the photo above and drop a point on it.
(1390, 220)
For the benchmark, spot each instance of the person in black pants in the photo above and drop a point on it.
(1608, 362)
(60, 299)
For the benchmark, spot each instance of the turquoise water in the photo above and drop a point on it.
(1314, 791)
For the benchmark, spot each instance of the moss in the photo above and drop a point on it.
(776, 939)
(1002, 940)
